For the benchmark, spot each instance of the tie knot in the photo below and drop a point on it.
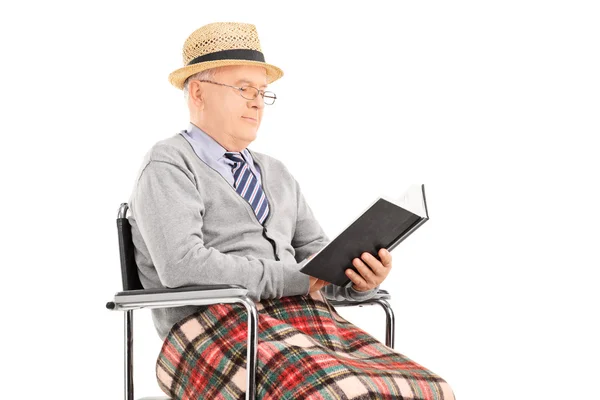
(235, 156)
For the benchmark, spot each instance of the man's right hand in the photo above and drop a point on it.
(315, 283)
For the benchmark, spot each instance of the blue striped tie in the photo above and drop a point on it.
(247, 186)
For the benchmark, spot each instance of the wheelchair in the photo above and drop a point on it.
(134, 297)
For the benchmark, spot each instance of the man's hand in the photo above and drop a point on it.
(316, 284)
(372, 273)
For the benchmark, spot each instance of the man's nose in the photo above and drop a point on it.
(258, 102)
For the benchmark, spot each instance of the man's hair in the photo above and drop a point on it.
(206, 74)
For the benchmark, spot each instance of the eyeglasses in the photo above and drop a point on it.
(250, 92)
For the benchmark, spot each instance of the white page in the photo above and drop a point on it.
(411, 200)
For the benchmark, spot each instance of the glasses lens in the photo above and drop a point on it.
(249, 92)
(270, 98)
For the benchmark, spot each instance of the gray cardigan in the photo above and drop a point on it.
(190, 226)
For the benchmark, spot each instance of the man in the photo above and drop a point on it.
(208, 210)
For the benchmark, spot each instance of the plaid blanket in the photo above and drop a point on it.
(305, 351)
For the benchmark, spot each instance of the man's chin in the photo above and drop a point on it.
(252, 135)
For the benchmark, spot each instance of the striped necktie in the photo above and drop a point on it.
(247, 186)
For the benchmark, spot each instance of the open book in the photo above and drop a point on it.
(384, 224)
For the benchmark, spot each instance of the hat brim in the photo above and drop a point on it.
(178, 77)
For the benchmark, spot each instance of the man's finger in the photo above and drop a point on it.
(355, 278)
(367, 273)
(374, 264)
(386, 257)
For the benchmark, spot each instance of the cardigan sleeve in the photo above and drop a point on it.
(168, 209)
(308, 239)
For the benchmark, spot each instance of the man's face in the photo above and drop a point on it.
(226, 115)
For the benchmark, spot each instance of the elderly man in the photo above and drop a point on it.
(206, 209)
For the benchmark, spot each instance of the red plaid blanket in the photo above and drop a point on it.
(305, 351)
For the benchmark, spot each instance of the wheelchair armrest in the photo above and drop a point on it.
(381, 294)
(175, 297)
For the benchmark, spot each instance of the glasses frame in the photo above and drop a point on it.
(241, 90)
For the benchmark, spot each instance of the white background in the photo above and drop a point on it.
(493, 105)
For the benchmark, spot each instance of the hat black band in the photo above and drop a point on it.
(236, 54)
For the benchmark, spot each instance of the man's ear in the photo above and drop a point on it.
(196, 94)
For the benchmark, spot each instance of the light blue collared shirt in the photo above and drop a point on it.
(212, 153)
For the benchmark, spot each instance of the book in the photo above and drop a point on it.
(384, 224)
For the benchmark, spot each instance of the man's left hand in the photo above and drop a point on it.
(372, 271)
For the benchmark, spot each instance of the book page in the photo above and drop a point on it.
(411, 200)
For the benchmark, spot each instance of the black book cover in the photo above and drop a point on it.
(383, 225)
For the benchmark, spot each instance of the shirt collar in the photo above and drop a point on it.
(211, 148)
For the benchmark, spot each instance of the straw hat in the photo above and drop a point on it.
(218, 44)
